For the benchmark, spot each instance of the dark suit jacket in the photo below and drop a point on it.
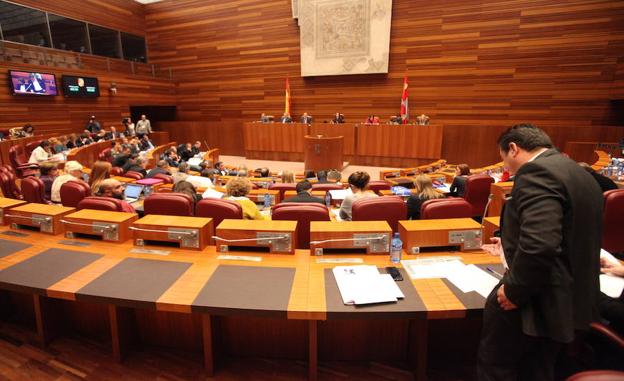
(604, 182)
(306, 119)
(458, 186)
(304, 197)
(551, 234)
(155, 171)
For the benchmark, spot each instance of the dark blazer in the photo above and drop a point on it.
(304, 197)
(306, 119)
(551, 235)
(156, 171)
(604, 182)
(458, 186)
(414, 203)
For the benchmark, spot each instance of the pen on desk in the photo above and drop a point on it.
(494, 272)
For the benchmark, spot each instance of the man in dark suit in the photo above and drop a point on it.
(551, 234)
(286, 118)
(304, 194)
(305, 118)
(338, 118)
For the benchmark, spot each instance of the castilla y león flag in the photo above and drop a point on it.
(404, 102)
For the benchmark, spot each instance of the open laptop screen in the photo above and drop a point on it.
(133, 191)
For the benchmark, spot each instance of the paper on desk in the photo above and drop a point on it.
(211, 193)
(363, 285)
(611, 285)
(336, 213)
(340, 194)
(433, 267)
(482, 282)
(445, 188)
(609, 257)
(195, 161)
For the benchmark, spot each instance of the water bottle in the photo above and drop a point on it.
(327, 200)
(267, 201)
(396, 248)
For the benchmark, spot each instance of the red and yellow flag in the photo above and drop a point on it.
(404, 103)
(287, 98)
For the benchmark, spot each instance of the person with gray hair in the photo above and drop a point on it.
(162, 167)
(73, 172)
(182, 172)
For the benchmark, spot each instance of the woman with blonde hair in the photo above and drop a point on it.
(288, 177)
(237, 190)
(424, 191)
(100, 171)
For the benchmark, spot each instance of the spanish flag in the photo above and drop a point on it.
(287, 98)
(404, 103)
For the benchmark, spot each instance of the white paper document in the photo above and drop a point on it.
(427, 268)
(339, 260)
(611, 285)
(211, 193)
(609, 257)
(365, 285)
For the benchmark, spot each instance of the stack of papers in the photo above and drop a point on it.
(211, 193)
(340, 194)
(610, 284)
(365, 285)
(467, 278)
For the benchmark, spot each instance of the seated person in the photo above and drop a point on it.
(288, 177)
(172, 158)
(458, 187)
(304, 194)
(182, 173)
(41, 153)
(121, 159)
(237, 190)
(73, 172)
(322, 177)
(604, 182)
(61, 145)
(99, 172)
(161, 168)
(242, 172)
(395, 120)
(305, 118)
(220, 167)
(424, 191)
(71, 141)
(263, 172)
(358, 182)
(187, 188)
(338, 118)
(309, 174)
(138, 166)
(114, 189)
(286, 118)
(85, 139)
(99, 136)
(612, 309)
(334, 176)
(134, 146)
(112, 134)
(201, 181)
(49, 173)
(196, 149)
(264, 118)
(372, 119)
(145, 143)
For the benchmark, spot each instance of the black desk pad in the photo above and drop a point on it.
(133, 282)
(44, 269)
(411, 306)
(10, 247)
(263, 291)
(473, 300)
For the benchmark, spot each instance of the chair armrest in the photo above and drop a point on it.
(608, 333)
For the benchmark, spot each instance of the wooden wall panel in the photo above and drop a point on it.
(62, 115)
(124, 15)
(470, 62)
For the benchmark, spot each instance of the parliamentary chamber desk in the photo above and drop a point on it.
(285, 306)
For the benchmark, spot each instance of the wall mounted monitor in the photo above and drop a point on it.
(76, 86)
(32, 83)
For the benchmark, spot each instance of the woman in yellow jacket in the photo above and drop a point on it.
(237, 190)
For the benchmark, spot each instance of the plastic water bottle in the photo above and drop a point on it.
(396, 248)
(327, 199)
(267, 201)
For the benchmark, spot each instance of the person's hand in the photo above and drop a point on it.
(494, 248)
(505, 303)
(608, 267)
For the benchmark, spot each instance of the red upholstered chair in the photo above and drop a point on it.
(165, 178)
(8, 168)
(116, 171)
(33, 190)
(379, 185)
(282, 188)
(219, 210)
(8, 186)
(19, 161)
(612, 219)
(72, 192)
(445, 208)
(303, 213)
(100, 203)
(169, 204)
(390, 208)
(597, 375)
(30, 146)
(477, 192)
(133, 175)
(106, 155)
(326, 187)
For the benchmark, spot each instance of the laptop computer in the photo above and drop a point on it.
(133, 192)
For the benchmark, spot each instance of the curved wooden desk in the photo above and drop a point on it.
(285, 306)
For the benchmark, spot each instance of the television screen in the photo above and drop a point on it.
(74, 86)
(32, 83)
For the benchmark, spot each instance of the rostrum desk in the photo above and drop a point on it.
(286, 306)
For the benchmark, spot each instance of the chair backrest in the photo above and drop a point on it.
(116, 171)
(445, 208)
(612, 219)
(33, 190)
(72, 192)
(169, 204)
(389, 208)
(9, 187)
(597, 375)
(283, 187)
(303, 213)
(219, 210)
(477, 192)
(17, 156)
(100, 203)
(5, 187)
(165, 178)
(379, 185)
(30, 146)
(133, 175)
(326, 186)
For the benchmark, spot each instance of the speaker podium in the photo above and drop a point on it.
(323, 152)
